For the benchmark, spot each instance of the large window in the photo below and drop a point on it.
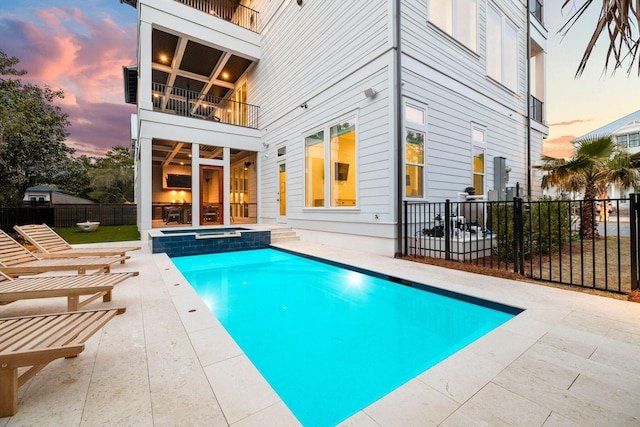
(634, 140)
(502, 49)
(414, 152)
(457, 18)
(478, 140)
(331, 153)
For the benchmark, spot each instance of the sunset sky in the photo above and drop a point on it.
(80, 46)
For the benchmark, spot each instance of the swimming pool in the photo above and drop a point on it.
(330, 340)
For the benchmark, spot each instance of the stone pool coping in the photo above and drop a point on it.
(569, 359)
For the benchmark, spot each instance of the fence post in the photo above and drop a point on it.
(447, 230)
(634, 217)
(406, 229)
(518, 236)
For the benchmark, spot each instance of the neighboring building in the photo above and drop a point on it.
(327, 115)
(625, 132)
(44, 195)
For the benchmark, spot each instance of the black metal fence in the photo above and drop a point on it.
(68, 215)
(586, 243)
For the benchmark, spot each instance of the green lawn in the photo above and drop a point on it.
(104, 233)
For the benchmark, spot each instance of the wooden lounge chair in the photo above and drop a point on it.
(16, 260)
(51, 245)
(32, 342)
(72, 287)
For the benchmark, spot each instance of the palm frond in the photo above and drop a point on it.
(620, 21)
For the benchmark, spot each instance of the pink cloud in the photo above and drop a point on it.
(82, 55)
(571, 122)
(560, 147)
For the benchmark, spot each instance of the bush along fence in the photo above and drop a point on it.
(586, 243)
(68, 215)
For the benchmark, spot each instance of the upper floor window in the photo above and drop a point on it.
(457, 18)
(502, 49)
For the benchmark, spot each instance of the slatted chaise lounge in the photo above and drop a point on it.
(16, 260)
(51, 245)
(32, 342)
(72, 287)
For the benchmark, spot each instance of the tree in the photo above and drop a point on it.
(74, 176)
(32, 134)
(620, 19)
(595, 163)
(112, 177)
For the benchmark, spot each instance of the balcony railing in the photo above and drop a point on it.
(228, 10)
(189, 103)
(536, 10)
(536, 109)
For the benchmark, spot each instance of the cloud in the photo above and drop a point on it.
(571, 122)
(82, 55)
(560, 147)
(92, 129)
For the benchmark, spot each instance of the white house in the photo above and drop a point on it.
(327, 115)
(624, 131)
(42, 194)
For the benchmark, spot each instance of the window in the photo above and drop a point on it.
(414, 152)
(456, 18)
(634, 140)
(331, 153)
(414, 155)
(623, 141)
(502, 49)
(478, 141)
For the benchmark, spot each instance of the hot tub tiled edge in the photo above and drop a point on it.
(188, 243)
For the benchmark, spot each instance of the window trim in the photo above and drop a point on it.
(455, 24)
(479, 145)
(416, 127)
(327, 170)
(504, 22)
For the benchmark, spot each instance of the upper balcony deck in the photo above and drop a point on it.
(229, 10)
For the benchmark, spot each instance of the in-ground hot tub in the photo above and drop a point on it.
(196, 241)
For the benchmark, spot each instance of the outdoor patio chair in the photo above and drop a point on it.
(51, 245)
(72, 287)
(173, 214)
(16, 260)
(32, 342)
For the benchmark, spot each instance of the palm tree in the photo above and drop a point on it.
(596, 163)
(620, 20)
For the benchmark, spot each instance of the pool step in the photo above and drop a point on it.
(283, 235)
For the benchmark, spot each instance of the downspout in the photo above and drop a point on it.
(398, 130)
(528, 11)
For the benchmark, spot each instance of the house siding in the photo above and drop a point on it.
(451, 80)
(327, 64)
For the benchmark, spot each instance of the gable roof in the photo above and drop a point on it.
(610, 128)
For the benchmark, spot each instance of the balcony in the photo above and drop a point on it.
(229, 10)
(189, 103)
(536, 109)
(536, 9)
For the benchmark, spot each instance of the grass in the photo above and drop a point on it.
(104, 233)
(598, 264)
(611, 263)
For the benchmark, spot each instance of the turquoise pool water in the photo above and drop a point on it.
(329, 340)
